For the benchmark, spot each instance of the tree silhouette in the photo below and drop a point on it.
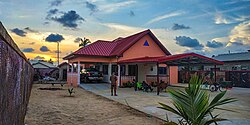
(84, 42)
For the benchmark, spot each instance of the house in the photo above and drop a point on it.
(234, 61)
(140, 56)
(236, 68)
(63, 71)
(43, 68)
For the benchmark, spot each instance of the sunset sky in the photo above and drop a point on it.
(207, 27)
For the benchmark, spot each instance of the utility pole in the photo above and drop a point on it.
(58, 53)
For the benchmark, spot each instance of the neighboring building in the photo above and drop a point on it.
(133, 57)
(63, 71)
(43, 68)
(234, 61)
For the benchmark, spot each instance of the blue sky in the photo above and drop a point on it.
(206, 27)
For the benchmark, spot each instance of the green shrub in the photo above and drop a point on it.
(193, 105)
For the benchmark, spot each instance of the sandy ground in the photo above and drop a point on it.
(48, 107)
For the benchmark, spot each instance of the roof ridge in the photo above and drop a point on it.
(144, 32)
(231, 53)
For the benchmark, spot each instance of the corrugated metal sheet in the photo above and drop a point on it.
(233, 57)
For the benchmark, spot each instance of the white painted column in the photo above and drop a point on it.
(71, 73)
(109, 70)
(68, 68)
(78, 72)
(101, 68)
(119, 75)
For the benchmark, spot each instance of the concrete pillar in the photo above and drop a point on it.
(78, 72)
(68, 66)
(119, 75)
(101, 68)
(71, 74)
(109, 70)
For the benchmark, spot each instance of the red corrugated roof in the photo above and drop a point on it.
(142, 60)
(115, 47)
(178, 59)
(189, 55)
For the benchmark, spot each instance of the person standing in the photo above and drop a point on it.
(113, 80)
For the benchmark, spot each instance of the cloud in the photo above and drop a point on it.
(77, 40)
(44, 49)
(165, 16)
(179, 27)
(122, 28)
(45, 23)
(56, 3)
(131, 13)
(30, 30)
(92, 7)
(214, 44)
(28, 50)
(219, 19)
(113, 7)
(39, 58)
(240, 33)
(68, 19)
(188, 42)
(19, 32)
(51, 12)
(54, 38)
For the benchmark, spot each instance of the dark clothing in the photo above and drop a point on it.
(146, 87)
(135, 85)
(113, 80)
(113, 88)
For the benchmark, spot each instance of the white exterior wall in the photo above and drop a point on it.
(144, 70)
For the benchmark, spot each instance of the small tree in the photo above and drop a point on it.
(193, 106)
(84, 42)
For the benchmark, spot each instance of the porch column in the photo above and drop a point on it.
(109, 70)
(119, 75)
(158, 82)
(68, 66)
(101, 67)
(71, 74)
(78, 73)
(215, 73)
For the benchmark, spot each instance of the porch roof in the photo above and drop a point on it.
(177, 60)
(142, 60)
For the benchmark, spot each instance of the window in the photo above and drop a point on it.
(114, 69)
(105, 69)
(162, 70)
(123, 69)
(69, 68)
(132, 70)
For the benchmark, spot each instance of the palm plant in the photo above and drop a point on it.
(193, 105)
(84, 42)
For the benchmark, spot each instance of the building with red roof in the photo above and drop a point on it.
(133, 57)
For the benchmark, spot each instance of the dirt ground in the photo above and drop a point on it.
(48, 107)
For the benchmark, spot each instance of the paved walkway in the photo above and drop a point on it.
(148, 102)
